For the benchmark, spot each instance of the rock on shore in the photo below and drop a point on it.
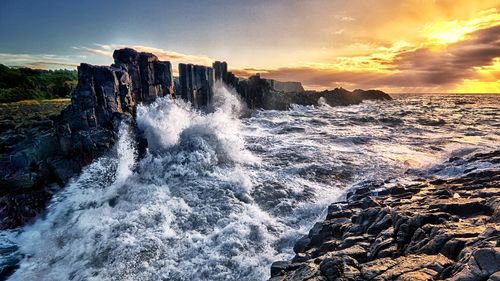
(432, 229)
(263, 93)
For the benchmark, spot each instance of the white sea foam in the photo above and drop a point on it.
(219, 198)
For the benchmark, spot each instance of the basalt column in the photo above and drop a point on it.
(150, 77)
(220, 68)
(104, 96)
(196, 84)
(221, 73)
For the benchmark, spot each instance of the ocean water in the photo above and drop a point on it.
(218, 197)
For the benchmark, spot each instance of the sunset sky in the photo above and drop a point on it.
(392, 45)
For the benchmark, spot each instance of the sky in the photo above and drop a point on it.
(399, 46)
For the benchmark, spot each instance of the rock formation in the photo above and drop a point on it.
(105, 97)
(253, 91)
(221, 73)
(263, 93)
(196, 84)
(433, 229)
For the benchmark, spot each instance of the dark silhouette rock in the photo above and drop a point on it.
(263, 93)
(253, 90)
(278, 267)
(221, 73)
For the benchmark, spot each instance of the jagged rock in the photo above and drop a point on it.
(415, 232)
(278, 267)
(143, 75)
(253, 90)
(104, 97)
(332, 267)
(196, 84)
(480, 264)
(221, 73)
(271, 94)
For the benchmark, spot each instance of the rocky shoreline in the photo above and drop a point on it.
(431, 229)
(38, 163)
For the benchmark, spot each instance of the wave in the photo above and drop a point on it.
(187, 204)
(218, 197)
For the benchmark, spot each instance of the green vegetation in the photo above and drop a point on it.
(26, 84)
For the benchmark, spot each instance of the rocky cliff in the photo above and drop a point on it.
(104, 98)
(263, 93)
(433, 229)
(196, 84)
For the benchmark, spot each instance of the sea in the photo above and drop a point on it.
(221, 195)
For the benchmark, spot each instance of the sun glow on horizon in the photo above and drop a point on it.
(402, 46)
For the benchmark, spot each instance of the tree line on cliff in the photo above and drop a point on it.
(25, 83)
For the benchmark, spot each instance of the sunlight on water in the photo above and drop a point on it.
(217, 197)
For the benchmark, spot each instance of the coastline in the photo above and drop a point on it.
(434, 228)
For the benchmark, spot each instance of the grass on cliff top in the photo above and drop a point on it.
(24, 110)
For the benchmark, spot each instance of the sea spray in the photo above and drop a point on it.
(186, 205)
(216, 197)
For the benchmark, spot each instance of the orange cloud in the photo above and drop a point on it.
(465, 59)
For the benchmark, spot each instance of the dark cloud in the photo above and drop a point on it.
(452, 64)
(423, 67)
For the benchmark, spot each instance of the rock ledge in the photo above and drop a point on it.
(430, 230)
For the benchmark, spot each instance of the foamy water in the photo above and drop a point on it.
(217, 197)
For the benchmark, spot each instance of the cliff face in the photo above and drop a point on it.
(433, 229)
(196, 84)
(105, 97)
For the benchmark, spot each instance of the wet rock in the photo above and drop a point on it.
(301, 245)
(481, 264)
(332, 267)
(278, 267)
(420, 231)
